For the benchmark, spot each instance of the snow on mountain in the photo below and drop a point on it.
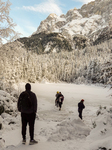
(85, 21)
(83, 26)
(78, 28)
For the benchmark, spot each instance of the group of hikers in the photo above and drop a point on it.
(59, 101)
(27, 105)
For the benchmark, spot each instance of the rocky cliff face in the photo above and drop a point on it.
(97, 7)
(46, 42)
(90, 21)
(78, 28)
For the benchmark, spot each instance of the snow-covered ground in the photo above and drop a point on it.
(63, 130)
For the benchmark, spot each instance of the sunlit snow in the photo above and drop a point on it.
(63, 130)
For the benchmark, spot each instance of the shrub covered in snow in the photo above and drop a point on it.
(7, 102)
(8, 109)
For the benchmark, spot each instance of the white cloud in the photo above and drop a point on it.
(25, 31)
(46, 7)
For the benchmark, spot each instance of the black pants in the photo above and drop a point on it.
(30, 119)
(80, 113)
(60, 105)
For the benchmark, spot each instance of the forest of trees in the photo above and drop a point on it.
(89, 65)
(92, 64)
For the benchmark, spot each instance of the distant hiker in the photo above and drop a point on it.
(80, 108)
(27, 105)
(56, 100)
(60, 100)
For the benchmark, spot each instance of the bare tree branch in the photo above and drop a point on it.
(7, 26)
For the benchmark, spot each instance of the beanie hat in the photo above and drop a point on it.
(28, 86)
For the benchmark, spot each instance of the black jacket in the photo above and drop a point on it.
(33, 108)
(60, 96)
(80, 106)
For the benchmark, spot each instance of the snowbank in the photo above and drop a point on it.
(101, 134)
(69, 130)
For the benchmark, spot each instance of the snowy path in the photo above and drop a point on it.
(49, 116)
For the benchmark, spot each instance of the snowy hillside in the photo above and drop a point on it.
(90, 65)
(63, 130)
(74, 48)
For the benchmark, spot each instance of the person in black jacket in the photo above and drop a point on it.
(27, 105)
(60, 100)
(80, 108)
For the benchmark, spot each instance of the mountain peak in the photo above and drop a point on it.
(90, 18)
(90, 21)
(52, 15)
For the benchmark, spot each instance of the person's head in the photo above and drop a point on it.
(82, 100)
(57, 92)
(28, 87)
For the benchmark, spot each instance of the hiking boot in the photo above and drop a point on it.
(23, 141)
(33, 142)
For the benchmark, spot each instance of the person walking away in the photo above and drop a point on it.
(81, 107)
(56, 100)
(60, 100)
(27, 105)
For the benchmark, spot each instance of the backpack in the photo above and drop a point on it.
(25, 100)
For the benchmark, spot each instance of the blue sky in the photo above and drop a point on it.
(28, 14)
